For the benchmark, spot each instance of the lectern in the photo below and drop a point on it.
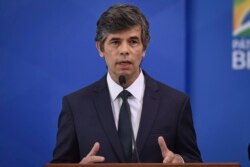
(147, 165)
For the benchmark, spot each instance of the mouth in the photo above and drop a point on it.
(124, 65)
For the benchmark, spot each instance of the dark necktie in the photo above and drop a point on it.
(124, 126)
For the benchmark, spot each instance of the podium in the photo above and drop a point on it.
(145, 165)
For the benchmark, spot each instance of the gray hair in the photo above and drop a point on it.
(120, 17)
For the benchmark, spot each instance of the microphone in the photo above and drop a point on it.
(122, 81)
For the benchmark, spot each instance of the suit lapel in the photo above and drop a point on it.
(149, 111)
(104, 110)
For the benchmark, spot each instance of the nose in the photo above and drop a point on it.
(124, 49)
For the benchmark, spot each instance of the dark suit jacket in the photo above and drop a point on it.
(87, 117)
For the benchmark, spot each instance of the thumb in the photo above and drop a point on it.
(163, 146)
(94, 149)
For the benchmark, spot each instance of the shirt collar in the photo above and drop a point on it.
(136, 88)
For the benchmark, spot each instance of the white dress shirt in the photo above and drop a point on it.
(135, 101)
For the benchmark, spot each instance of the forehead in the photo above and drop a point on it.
(125, 34)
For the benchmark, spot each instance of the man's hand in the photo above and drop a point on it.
(168, 156)
(92, 157)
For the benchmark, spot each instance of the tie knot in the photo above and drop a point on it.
(125, 94)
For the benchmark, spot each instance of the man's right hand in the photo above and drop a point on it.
(92, 157)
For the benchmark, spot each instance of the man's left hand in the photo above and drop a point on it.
(168, 155)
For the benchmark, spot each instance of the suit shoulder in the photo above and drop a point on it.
(170, 90)
(87, 90)
(164, 89)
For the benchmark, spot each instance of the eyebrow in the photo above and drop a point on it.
(116, 38)
(134, 37)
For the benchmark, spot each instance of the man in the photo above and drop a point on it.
(161, 118)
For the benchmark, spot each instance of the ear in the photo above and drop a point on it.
(97, 45)
(143, 54)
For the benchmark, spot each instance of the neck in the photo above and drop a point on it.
(129, 79)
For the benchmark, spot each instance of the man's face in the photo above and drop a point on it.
(123, 52)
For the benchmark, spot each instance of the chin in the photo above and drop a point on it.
(125, 73)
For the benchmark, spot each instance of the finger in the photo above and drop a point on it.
(169, 158)
(178, 159)
(92, 159)
(94, 149)
(163, 146)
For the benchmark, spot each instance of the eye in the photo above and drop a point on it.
(115, 42)
(134, 42)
